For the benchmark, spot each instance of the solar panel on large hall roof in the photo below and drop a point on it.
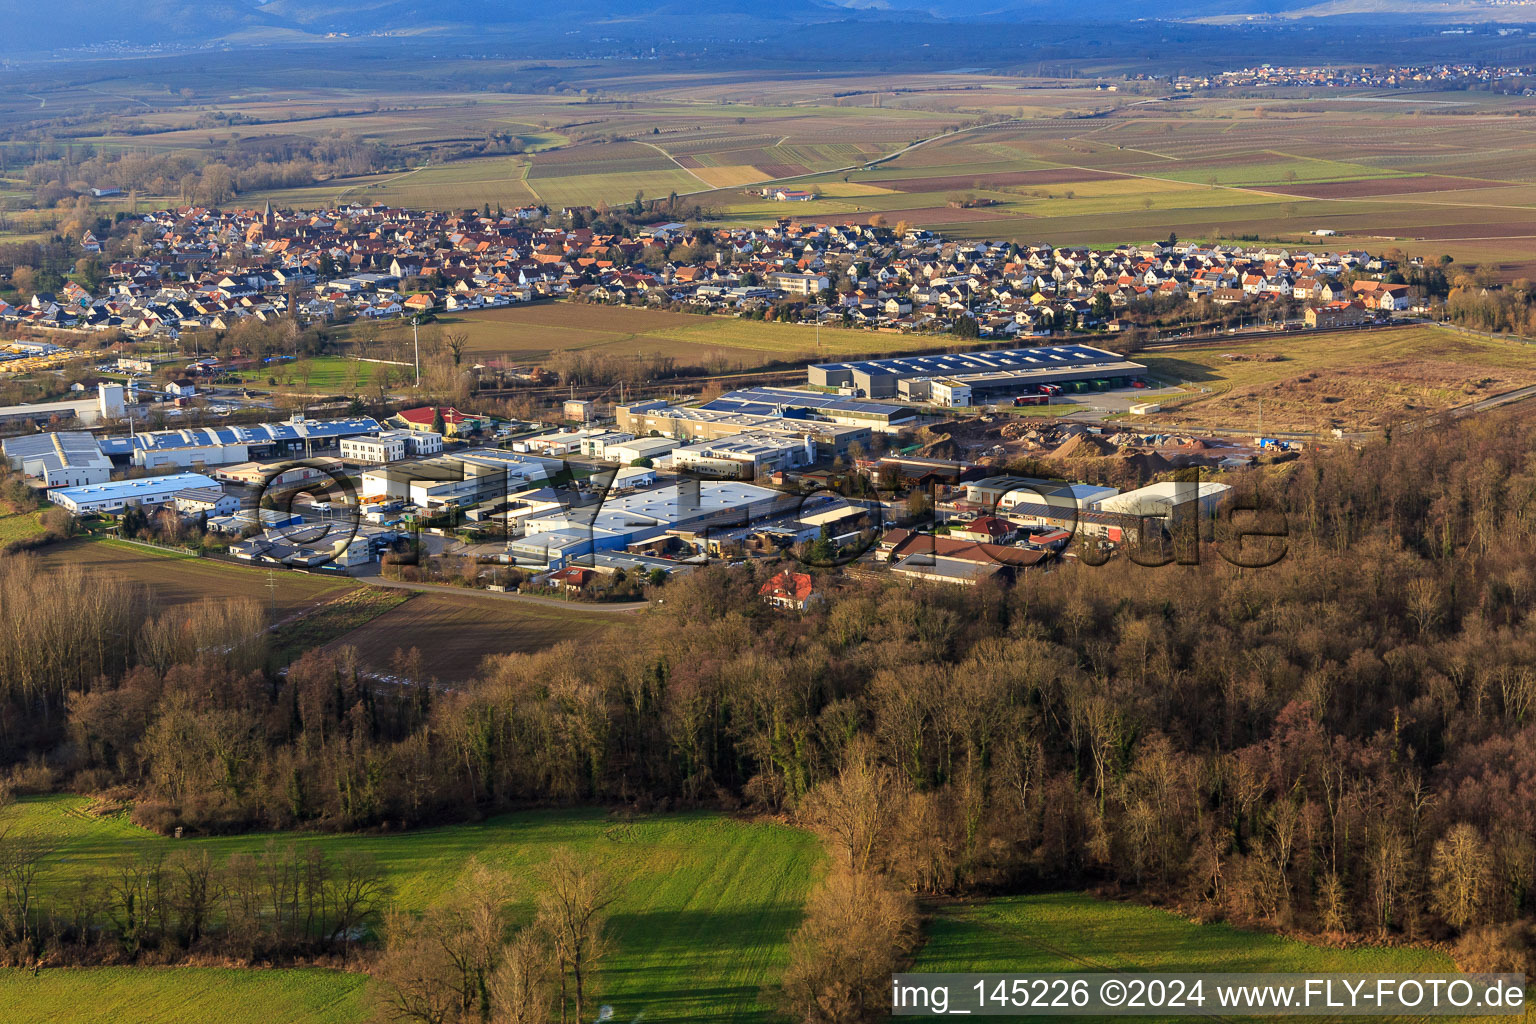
(952, 362)
(768, 401)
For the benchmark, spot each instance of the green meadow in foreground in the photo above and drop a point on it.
(708, 907)
(1074, 932)
(703, 927)
(172, 995)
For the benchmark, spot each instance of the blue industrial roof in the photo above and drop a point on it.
(259, 434)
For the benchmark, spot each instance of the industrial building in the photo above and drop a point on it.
(793, 403)
(686, 423)
(745, 456)
(464, 478)
(1003, 493)
(307, 547)
(620, 521)
(67, 459)
(108, 405)
(595, 446)
(986, 373)
(117, 495)
(217, 446)
(1161, 500)
(651, 448)
(281, 475)
(209, 501)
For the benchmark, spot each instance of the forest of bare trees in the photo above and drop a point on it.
(1341, 743)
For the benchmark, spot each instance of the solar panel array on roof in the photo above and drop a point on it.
(763, 401)
(980, 362)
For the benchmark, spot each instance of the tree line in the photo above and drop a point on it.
(1341, 743)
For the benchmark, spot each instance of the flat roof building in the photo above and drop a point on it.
(118, 495)
(793, 403)
(622, 520)
(686, 423)
(745, 456)
(388, 446)
(879, 378)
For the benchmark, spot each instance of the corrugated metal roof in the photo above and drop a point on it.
(258, 434)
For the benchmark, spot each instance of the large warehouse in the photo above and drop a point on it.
(117, 495)
(987, 373)
(554, 540)
(215, 446)
(793, 403)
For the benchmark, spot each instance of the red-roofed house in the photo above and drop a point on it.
(454, 421)
(984, 530)
(572, 577)
(792, 591)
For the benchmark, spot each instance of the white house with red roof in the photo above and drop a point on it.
(792, 591)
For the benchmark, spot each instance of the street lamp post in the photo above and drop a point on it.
(416, 340)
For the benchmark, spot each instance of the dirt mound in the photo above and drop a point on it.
(1082, 446)
(1148, 464)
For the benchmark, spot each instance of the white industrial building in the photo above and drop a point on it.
(464, 478)
(210, 501)
(117, 495)
(1005, 493)
(561, 442)
(1160, 500)
(640, 448)
(745, 456)
(936, 390)
(422, 442)
(620, 521)
(596, 445)
(67, 459)
(628, 478)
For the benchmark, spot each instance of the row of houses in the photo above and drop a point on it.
(209, 268)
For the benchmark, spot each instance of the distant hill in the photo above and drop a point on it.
(589, 23)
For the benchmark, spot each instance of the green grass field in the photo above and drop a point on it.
(19, 526)
(1074, 932)
(160, 995)
(708, 905)
(332, 374)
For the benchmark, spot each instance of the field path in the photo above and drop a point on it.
(863, 164)
(614, 608)
(377, 184)
(669, 156)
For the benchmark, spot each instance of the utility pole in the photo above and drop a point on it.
(416, 340)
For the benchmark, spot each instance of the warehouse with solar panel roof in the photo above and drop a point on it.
(973, 378)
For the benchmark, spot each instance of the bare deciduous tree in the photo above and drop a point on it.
(573, 912)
